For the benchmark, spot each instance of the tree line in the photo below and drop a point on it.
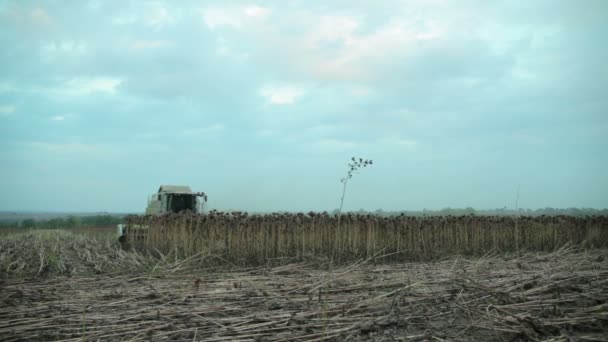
(67, 222)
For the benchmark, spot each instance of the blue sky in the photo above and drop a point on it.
(262, 104)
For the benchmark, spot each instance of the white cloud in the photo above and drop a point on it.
(331, 28)
(282, 94)
(152, 14)
(224, 50)
(149, 44)
(361, 91)
(322, 129)
(523, 74)
(256, 11)
(334, 145)
(233, 17)
(94, 5)
(217, 17)
(61, 49)
(62, 117)
(342, 145)
(87, 86)
(6, 110)
(63, 147)
(160, 17)
(39, 16)
(409, 144)
(79, 86)
(6, 87)
(336, 46)
(202, 131)
(265, 133)
(359, 52)
(125, 19)
(399, 142)
(333, 47)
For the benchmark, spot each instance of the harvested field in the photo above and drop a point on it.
(557, 296)
(62, 252)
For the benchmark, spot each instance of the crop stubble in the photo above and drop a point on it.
(543, 296)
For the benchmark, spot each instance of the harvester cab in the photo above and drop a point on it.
(175, 199)
(169, 199)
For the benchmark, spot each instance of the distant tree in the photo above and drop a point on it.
(100, 220)
(28, 223)
(72, 221)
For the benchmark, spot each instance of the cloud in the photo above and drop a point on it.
(67, 148)
(447, 87)
(39, 16)
(76, 86)
(330, 144)
(54, 50)
(6, 110)
(205, 131)
(331, 47)
(281, 94)
(256, 11)
(125, 19)
(225, 51)
(62, 117)
(34, 21)
(400, 142)
(150, 43)
(216, 17)
(334, 145)
(265, 133)
(359, 54)
(234, 17)
(94, 5)
(87, 86)
(155, 15)
(159, 16)
(6, 87)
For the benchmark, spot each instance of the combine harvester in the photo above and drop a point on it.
(168, 199)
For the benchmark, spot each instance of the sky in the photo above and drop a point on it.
(262, 104)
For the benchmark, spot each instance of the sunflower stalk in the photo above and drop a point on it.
(353, 166)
